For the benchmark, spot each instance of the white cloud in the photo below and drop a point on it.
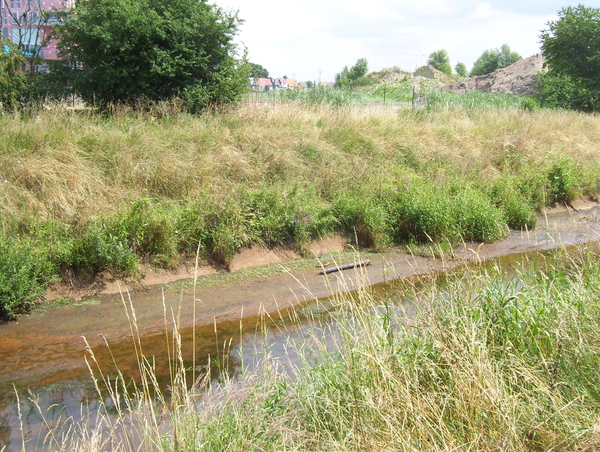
(311, 37)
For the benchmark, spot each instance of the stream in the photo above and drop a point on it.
(42, 355)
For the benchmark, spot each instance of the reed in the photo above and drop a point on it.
(489, 361)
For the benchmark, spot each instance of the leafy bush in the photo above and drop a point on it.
(424, 213)
(556, 90)
(562, 181)
(24, 275)
(476, 217)
(152, 50)
(12, 83)
(365, 217)
(571, 49)
(508, 194)
(428, 212)
(98, 249)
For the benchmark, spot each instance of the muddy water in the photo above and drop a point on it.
(45, 351)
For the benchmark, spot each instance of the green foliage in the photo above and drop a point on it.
(12, 83)
(320, 95)
(257, 71)
(441, 61)
(562, 181)
(494, 59)
(349, 77)
(426, 212)
(511, 195)
(461, 70)
(97, 249)
(123, 51)
(572, 50)
(557, 90)
(404, 91)
(24, 275)
(365, 217)
(439, 100)
(477, 218)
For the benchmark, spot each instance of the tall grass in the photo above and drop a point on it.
(488, 362)
(94, 192)
(475, 101)
(321, 96)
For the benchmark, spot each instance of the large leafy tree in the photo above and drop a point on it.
(12, 83)
(127, 50)
(571, 46)
(494, 59)
(441, 61)
(349, 76)
(258, 71)
(461, 70)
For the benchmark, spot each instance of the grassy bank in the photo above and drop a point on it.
(83, 192)
(488, 362)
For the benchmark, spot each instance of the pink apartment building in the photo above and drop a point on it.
(28, 24)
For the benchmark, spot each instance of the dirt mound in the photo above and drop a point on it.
(518, 78)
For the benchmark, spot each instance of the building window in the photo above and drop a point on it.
(4, 17)
(6, 33)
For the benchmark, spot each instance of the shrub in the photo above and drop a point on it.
(98, 249)
(366, 217)
(507, 194)
(562, 181)
(424, 213)
(24, 275)
(476, 217)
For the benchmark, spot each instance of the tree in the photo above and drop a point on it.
(349, 76)
(441, 61)
(28, 32)
(12, 83)
(461, 70)
(257, 71)
(494, 59)
(123, 51)
(571, 46)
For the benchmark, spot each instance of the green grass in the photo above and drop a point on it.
(490, 361)
(90, 193)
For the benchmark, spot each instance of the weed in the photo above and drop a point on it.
(562, 181)
(105, 192)
(24, 275)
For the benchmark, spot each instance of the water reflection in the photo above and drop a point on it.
(228, 347)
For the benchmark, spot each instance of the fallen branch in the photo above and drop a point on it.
(344, 267)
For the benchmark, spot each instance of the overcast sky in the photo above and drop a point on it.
(315, 39)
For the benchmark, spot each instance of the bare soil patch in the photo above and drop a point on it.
(518, 78)
(79, 287)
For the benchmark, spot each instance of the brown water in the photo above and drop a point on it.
(45, 352)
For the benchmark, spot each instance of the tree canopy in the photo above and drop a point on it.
(461, 70)
(258, 71)
(494, 59)
(349, 76)
(441, 61)
(122, 51)
(571, 46)
(12, 83)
